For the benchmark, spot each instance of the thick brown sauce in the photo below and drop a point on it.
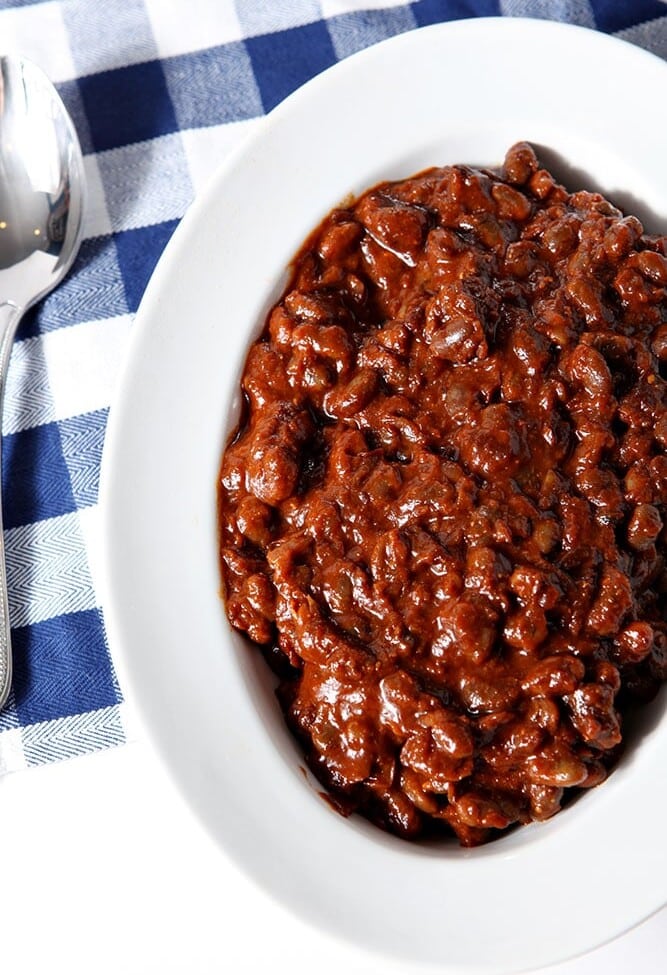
(442, 515)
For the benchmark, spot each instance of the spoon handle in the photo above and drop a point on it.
(10, 315)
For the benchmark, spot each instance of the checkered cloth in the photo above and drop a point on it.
(160, 92)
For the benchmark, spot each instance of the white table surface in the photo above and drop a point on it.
(105, 871)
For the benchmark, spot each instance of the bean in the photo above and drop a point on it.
(544, 713)
(495, 443)
(594, 203)
(544, 800)
(521, 258)
(399, 227)
(356, 288)
(489, 696)
(307, 307)
(541, 184)
(600, 486)
(486, 572)
(414, 790)
(604, 672)
(638, 484)
(595, 774)
(389, 366)
(653, 266)
(634, 642)
(253, 518)
(644, 526)
(546, 534)
(592, 713)
(479, 811)
(400, 703)
(281, 326)
(402, 817)
(526, 629)
(554, 676)
(535, 587)
(588, 371)
(487, 724)
(338, 240)
(272, 473)
(556, 766)
(441, 753)
(631, 287)
(510, 203)
(520, 163)
(254, 607)
(514, 743)
(561, 238)
(395, 336)
(348, 399)
(488, 231)
(266, 378)
(473, 629)
(458, 340)
(621, 237)
(557, 327)
(613, 602)
(329, 342)
(358, 746)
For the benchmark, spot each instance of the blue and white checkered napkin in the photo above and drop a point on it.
(160, 91)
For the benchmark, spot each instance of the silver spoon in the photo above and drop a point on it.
(41, 189)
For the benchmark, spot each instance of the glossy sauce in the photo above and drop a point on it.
(442, 515)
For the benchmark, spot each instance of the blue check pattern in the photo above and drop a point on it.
(160, 92)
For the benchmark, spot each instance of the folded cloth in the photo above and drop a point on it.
(160, 92)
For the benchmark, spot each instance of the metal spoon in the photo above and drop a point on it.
(41, 189)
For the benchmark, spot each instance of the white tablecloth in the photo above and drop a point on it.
(157, 897)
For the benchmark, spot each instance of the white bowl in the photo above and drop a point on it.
(458, 92)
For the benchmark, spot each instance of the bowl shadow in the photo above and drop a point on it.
(576, 178)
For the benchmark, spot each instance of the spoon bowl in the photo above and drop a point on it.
(41, 203)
